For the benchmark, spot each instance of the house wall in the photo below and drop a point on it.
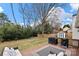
(75, 33)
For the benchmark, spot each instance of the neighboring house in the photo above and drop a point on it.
(66, 28)
(75, 30)
(70, 31)
(75, 33)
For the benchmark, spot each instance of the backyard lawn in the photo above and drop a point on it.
(25, 43)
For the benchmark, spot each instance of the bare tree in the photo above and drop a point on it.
(26, 13)
(42, 10)
(14, 19)
(37, 12)
(21, 9)
(13, 13)
(3, 18)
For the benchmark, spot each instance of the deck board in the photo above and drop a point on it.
(74, 51)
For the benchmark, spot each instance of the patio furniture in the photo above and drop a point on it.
(60, 54)
(11, 52)
(64, 42)
(52, 40)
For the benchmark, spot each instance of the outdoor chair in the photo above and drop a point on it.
(64, 42)
(11, 52)
(52, 40)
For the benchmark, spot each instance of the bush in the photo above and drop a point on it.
(47, 28)
(11, 31)
(14, 32)
(27, 32)
(34, 33)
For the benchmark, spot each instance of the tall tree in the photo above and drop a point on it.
(43, 11)
(37, 12)
(13, 13)
(26, 12)
(21, 9)
(3, 18)
(14, 19)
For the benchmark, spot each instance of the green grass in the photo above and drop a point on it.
(24, 43)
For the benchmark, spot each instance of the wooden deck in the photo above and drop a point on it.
(74, 51)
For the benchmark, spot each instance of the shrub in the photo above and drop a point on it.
(11, 31)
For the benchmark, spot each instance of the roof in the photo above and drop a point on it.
(66, 29)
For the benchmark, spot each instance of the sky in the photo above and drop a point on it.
(68, 9)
